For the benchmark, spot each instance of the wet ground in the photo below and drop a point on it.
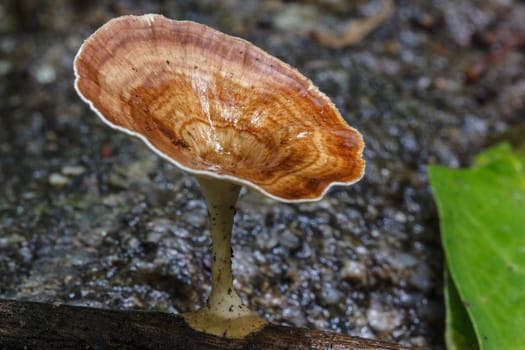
(89, 216)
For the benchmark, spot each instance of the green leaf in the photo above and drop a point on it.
(499, 151)
(482, 219)
(459, 333)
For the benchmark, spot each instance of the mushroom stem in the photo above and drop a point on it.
(224, 313)
(221, 198)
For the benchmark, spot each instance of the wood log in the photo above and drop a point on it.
(32, 325)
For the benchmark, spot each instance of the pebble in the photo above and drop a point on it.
(296, 18)
(74, 170)
(330, 295)
(383, 321)
(353, 271)
(401, 260)
(11, 240)
(5, 67)
(421, 277)
(290, 241)
(400, 217)
(57, 180)
(45, 74)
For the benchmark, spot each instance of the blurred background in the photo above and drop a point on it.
(89, 216)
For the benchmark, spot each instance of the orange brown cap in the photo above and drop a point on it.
(218, 106)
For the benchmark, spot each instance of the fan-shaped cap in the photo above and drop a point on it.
(217, 106)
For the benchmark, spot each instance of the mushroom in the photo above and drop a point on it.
(226, 112)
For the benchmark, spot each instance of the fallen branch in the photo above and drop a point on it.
(354, 31)
(30, 325)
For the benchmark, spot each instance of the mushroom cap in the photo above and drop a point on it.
(217, 106)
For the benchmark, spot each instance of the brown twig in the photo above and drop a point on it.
(354, 30)
(479, 69)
